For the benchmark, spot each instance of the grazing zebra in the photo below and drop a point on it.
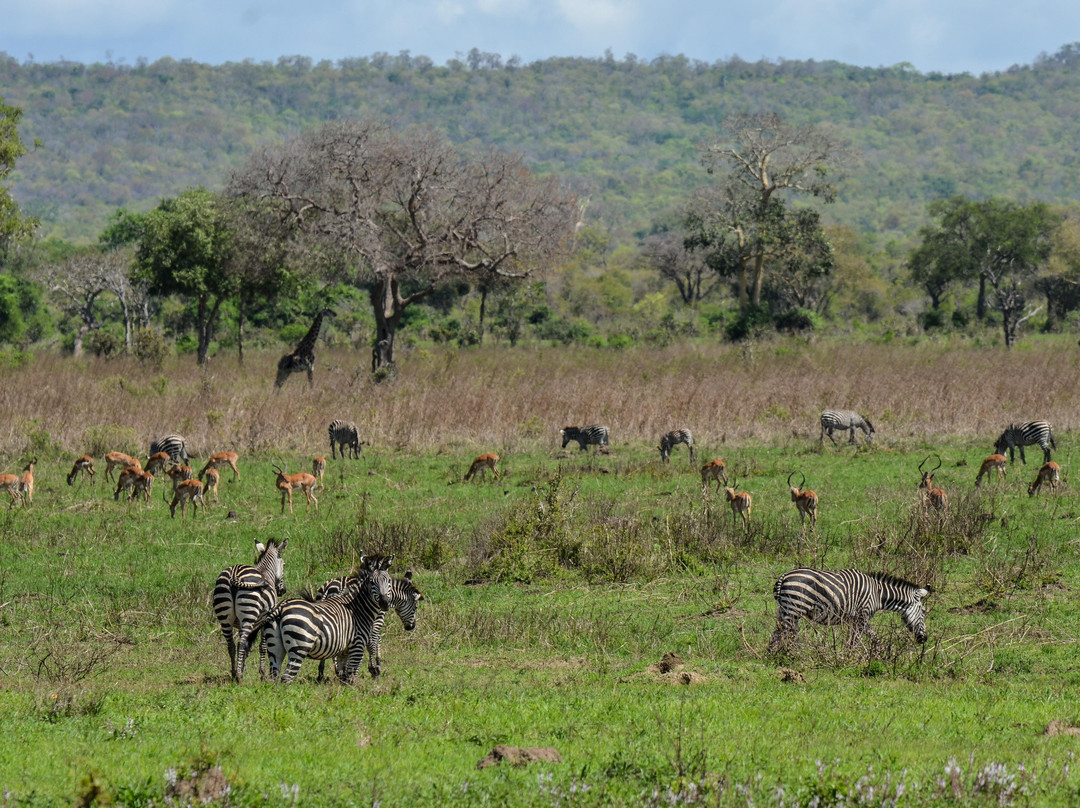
(243, 592)
(338, 625)
(831, 597)
(673, 439)
(1028, 434)
(404, 599)
(344, 434)
(841, 420)
(173, 445)
(585, 436)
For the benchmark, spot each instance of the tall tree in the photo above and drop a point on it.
(762, 163)
(667, 254)
(1002, 244)
(78, 283)
(184, 249)
(14, 225)
(408, 212)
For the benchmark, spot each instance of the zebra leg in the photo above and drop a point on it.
(374, 660)
(262, 656)
(227, 631)
(322, 670)
(1023, 460)
(851, 437)
(293, 668)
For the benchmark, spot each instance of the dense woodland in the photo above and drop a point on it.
(625, 135)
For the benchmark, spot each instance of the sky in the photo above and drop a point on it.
(948, 36)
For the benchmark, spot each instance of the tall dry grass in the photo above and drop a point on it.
(503, 399)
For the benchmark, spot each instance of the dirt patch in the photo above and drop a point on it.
(198, 788)
(978, 607)
(1058, 727)
(791, 675)
(520, 755)
(669, 663)
(682, 678)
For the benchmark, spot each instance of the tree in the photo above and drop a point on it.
(79, 281)
(408, 212)
(667, 253)
(1001, 243)
(13, 224)
(762, 163)
(184, 248)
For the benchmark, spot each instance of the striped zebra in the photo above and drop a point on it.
(243, 592)
(1028, 434)
(173, 445)
(344, 434)
(338, 625)
(673, 439)
(831, 597)
(585, 436)
(404, 599)
(845, 420)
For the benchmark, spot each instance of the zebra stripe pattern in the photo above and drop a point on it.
(404, 599)
(1028, 434)
(831, 597)
(244, 592)
(173, 445)
(673, 439)
(344, 434)
(338, 625)
(844, 421)
(585, 436)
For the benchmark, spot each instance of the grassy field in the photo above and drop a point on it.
(551, 596)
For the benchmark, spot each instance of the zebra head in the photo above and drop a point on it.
(376, 581)
(914, 615)
(408, 602)
(271, 564)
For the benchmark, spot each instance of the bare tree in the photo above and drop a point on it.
(79, 282)
(667, 254)
(762, 160)
(408, 211)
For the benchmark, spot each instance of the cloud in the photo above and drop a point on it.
(599, 16)
(84, 17)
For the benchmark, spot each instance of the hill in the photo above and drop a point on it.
(622, 132)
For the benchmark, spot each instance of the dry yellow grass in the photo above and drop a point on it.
(502, 399)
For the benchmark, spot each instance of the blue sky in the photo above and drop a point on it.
(950, 36)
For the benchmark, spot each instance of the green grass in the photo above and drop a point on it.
(548, 596)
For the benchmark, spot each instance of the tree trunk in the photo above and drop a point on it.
(759, 275)
(80, 335)
(240, 327)
(980, 306)
(483, 306)
(207, 316)
(384, 304)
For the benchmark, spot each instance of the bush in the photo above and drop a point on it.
(150, 347)
(748, 325)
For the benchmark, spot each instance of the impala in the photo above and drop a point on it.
(1050, 473)
(10, 482)
(222, 459)
(995, 462)
(186, 491)
(26, 483)
(482, 464)
(118, 460)
(158, 462)
(318, 467)
(213, 477)
(740, 505)
(287, 482)
(716, 470)
(936, 497)
(805, 500)
(84, 465)
(135, 481)
(179, 474)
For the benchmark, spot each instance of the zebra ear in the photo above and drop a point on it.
(260, 548)
(283, 545)
(922, 593)
(408, 575)
(386, 562)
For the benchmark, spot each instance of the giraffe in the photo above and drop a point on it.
(302, 357)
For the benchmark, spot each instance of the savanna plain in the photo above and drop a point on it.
(551, 595)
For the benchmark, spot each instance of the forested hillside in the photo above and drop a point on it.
(622, 132)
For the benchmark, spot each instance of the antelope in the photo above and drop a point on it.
(716, 470)
(1049, 473)
(118, 460)
(318, 468)
(11, 483)
(179, 474)
(158, 462)
(740, 505)
(186, 491)
(805, 500)
(936, 497)
(482, 464)
(84, 465)
(134, 480)
(26, 483)
(222, 459)
(213, 477)
(287, 482)
(993, 462)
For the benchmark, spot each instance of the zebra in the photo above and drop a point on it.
(338, 625)
(404, 599)
(173, 445)
(344, 434)
(595, 435)
(1027, 434)
(831, 597)
(673, 439)
(243, 592)
(845, 420)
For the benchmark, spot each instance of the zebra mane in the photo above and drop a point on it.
(894, 580)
